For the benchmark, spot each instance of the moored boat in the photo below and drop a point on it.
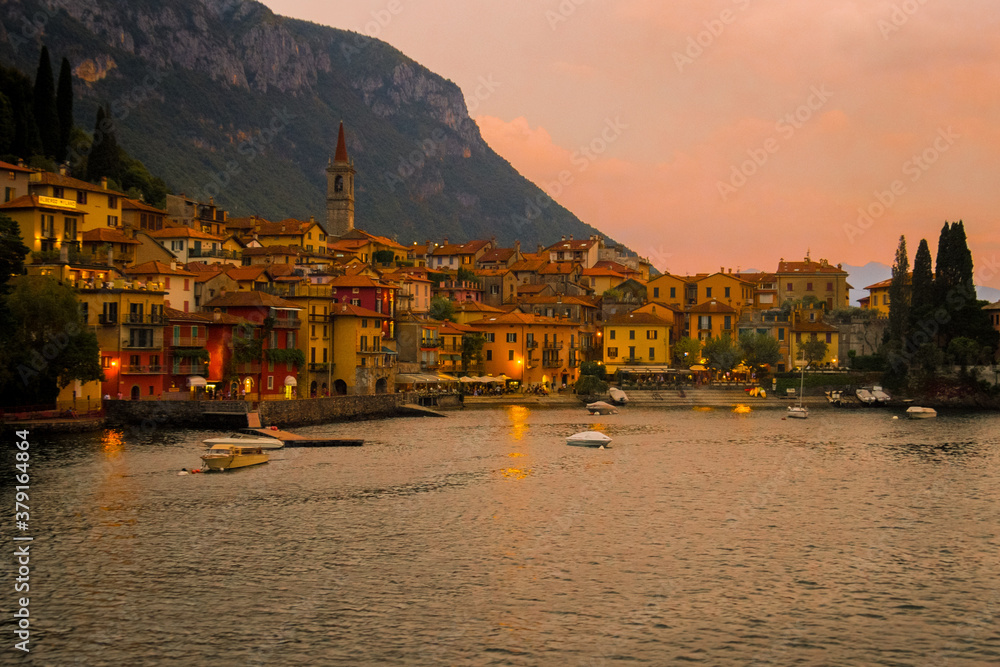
(601, 408)
(798, 412)
(917, 412)
(880, 395)
(618, 397)
(245, 440)
(224, 457)
(589, 439)
(865, 396)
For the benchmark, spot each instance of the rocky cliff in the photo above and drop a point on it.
(223, 98)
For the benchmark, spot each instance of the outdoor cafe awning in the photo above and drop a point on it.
(444, 377)
(196, 381)
(290, 381)
(416, 378)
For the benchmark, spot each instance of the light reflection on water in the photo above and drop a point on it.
(719, 537)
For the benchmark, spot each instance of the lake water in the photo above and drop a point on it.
(708, 536)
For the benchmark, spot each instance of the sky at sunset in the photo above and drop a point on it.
(728, 132)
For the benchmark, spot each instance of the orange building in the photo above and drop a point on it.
(529, 348)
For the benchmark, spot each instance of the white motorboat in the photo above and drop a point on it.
(601, 408)
(589, 439)
(226, 457)
(618, 397)
(880, 396)
(916, 412)
(245, 440)
(865, 396)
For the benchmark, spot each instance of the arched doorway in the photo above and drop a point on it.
(381, 385)
(312, 389)
(326, 390)
(234, 390)
(135, 392)
(247, 386)
(340, 387)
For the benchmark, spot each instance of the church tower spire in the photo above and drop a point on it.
(340, 190)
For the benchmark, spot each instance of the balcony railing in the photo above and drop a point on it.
(287, 323)
(142, 370)
(451, 348)
(531, 344)
(430, 342)
(107, 320)
(207, 252)
(139, 318)
(551, 363)
(318, 317)
(319, 368)
(187, 369)
(553, 345)
(188, 341)
(142, 344)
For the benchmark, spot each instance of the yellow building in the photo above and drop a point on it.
(807, 324)
(315, 339)
(667, 288)
(878, 295)
(363, 363)
(47, 224)
(101, 206)
(821, 280)
(641, 338)
(530, 349)
(711, 320)
(450, 350)
(600, 279)
(725, 288)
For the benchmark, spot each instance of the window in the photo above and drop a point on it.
(727, 322)
(512, 337)
(489, 337)
(829, 338)
(829, 287)
(809, 287)
(673, 292)
(612, 353)
(631, 334)
(112, 221)
(270, 382)
(727, 290)
(708, 292)
(510, 355)
(489, 355)
(652, 353)
(81, 196)
(69, 229)
(112, 201)
(9, 194)
(187, 282)
(651, 334)
(798, 337)
(355, 302)
(781, 334)
(364, 324)
(704, 321)
(789, 288)
(177, 245)
(58, 192)
(656, 292)
(177, 334)
(631, 353)
(324, 355)
(611, 334)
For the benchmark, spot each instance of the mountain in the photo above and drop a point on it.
(874, 272)
(224, 99)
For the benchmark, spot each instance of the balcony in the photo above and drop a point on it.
(287, 323)
(531, 344)
(142, 344)
(139, 318)
(452, 348)
(142, 370)
(188, 341)
(318, 317)
(319, 368)
(551, 363)
(553, 345)
(430, 343)
(220, 254)
(107, 320)
(188, 369)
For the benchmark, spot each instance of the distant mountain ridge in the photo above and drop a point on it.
(224, 99)
(861, 277)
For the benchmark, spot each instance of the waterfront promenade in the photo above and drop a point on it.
(690, 398)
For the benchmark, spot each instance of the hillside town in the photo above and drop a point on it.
(187, 302)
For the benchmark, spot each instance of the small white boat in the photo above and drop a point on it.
(589, 439)
(865, 396)
(916, 412)
(245, 440)
(880, 396)
(618, 397)
(798, 412)
(601, 408)
(224, 457)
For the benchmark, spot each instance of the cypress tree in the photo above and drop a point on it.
(44, 105)
(921, 285)
(64, 108)
(17, 88)
(105, 156)
(6, 125)
(899, 294)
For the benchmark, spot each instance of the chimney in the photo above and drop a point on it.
(173, 264)
(540, 248)
(445, 241)
(564, 238)
(62, 170)
(570, 237)
(104, 182)
(217, 314)
(517, 247)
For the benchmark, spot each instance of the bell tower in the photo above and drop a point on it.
(340, 190)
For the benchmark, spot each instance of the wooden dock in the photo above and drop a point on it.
(294, 439)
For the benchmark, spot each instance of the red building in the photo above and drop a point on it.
(277, 375)
(368, 293)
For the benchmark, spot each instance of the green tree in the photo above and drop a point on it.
(44, 105)
(590, 385)
(383, 257)
(105, 155)
(466, 275)
(966, 352)
(46, 342)
(813, 351)
(472, 351)
(723, 353)
(64, 108)
(899, 294)
(921, 286)
(12, 252)
(760, 350)
(17, 88)
(442, 309)
(593, 368)
(687, 351)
